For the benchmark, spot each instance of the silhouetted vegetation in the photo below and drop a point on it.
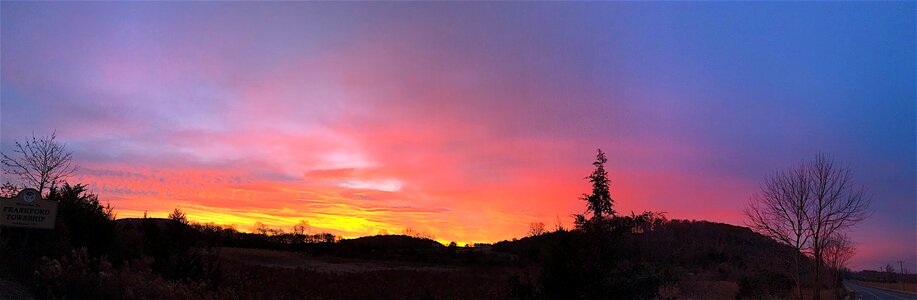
(84, 234)
(607, 255)
(640, 256)
(675, 257)
(40, 162)
(178, 216)
(809, 207)
(599, 202)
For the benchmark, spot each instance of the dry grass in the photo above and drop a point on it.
(255, 282)
(263, 274)
(909, 287)
(13, 290)
(707, 290)
(294, 260)
(826, 293)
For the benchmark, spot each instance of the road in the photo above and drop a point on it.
(869, 293)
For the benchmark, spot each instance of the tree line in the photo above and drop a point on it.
(809, 208)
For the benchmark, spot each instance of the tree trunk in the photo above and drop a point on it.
(817, 285)
(798, 278)
(837, 278)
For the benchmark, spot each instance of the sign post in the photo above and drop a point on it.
(28, 210)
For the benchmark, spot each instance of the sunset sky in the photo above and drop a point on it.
(467, 121)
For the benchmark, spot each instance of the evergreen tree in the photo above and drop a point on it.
(179, 216)
(599, 202)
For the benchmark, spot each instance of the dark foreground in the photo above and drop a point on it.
(869, 293)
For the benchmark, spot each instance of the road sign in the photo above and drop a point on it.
(28, 210)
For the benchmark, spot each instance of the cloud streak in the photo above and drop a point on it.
(468, 121)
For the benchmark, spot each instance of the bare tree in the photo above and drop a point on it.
(275, 231)
(9, 190)
(260, 228)
(411, 232)
(558, 224)
(536, 229)
(301, 228)
(41, 162)
(889, 273)
(836, 205)
(805, 206)
(779, 211)
(838, 251)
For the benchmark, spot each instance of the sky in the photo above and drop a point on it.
(466, 121)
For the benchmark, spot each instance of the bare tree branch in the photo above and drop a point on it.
(40, 162)
(837, 205)
(838, 251)
(806, 206)
(778, 211)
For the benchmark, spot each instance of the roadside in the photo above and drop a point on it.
(868, 292)
(909, 288)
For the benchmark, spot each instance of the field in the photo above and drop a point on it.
(327, 265)
(245, 273)
(910, 287)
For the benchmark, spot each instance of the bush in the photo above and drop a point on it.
(593, 265)
(82, 222)
(765, 284)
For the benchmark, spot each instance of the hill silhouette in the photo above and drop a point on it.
(637, 256)
(606, 255)
(694, 257)
(697, 259)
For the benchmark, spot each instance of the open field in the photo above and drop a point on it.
(245, 273)
(910, 287)
(336, 265)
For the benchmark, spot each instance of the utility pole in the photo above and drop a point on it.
(901, 271)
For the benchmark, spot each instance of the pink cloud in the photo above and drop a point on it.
(375, 126)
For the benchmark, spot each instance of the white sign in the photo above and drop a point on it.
(28, 210)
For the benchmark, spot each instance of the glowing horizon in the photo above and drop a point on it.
(467, 121)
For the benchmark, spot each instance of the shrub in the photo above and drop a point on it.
(765, 284)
